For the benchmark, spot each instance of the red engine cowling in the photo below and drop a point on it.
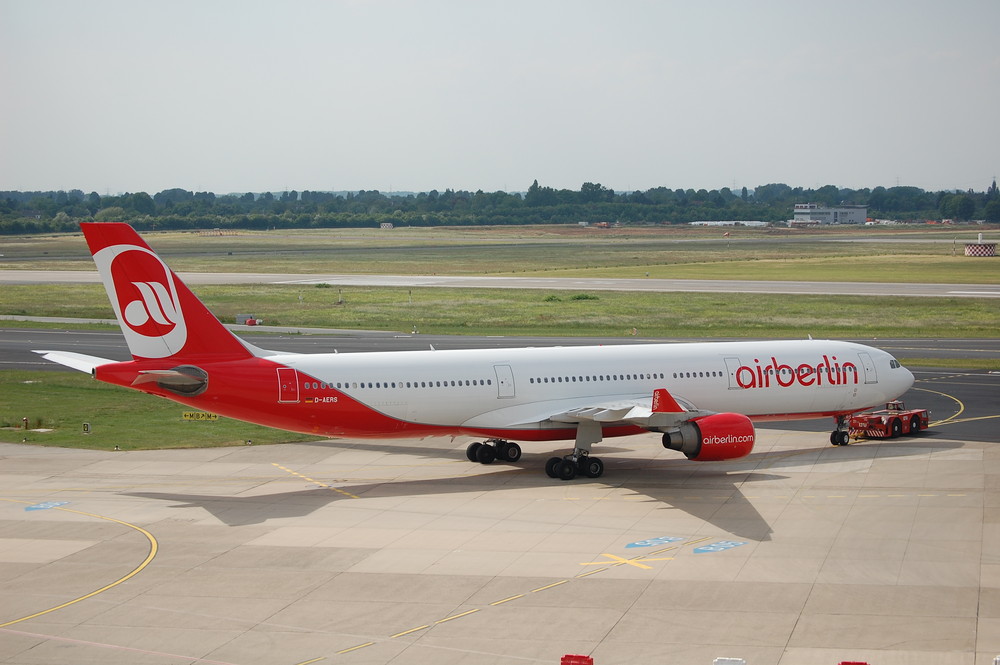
(720, 436)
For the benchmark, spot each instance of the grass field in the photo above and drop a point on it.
(63, 401)
(540, 312)
(901, 254)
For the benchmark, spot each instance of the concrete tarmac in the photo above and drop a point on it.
(404, 552)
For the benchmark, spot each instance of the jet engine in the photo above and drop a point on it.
(720, 436)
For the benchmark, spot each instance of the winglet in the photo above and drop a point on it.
(664, 402)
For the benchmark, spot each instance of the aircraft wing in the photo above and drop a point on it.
(659, 411)
(654, 412)
(77, 361)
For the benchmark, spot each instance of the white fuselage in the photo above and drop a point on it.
(522, 387)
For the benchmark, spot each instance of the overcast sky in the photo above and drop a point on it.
(236, 96)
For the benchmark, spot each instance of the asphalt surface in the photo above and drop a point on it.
(16, 344)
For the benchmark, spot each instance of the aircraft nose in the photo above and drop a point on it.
(906, 379)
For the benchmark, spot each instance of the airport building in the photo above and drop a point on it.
(812, 213)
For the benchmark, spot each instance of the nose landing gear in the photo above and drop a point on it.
(842, 435)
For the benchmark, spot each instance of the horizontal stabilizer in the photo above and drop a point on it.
(77, 361)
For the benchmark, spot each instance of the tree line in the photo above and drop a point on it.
(42, 212)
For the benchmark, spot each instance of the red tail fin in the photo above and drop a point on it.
(158, 314)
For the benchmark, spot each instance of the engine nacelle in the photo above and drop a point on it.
(720, 436)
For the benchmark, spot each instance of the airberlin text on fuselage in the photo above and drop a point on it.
(784, 375)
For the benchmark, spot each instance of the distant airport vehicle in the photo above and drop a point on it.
(892, 421)
(702, 397)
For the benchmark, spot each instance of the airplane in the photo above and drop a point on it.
(703, 397)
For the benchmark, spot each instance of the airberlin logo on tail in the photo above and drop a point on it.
(827, 372)
(155, 306)
(144, 296)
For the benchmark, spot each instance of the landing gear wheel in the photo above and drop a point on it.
(840, 437)
(471, 451)
(485, 454)
(508, 452)
(592, 467)
(550, 466)
(565, 470)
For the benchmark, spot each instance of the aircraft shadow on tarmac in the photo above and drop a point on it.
(710, 493)
(727, 509)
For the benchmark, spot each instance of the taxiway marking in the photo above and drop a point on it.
(316, 482)
(615, 561)
(961, 406)
(153, 547)
(622, 561)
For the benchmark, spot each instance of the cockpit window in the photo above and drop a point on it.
(894, 364)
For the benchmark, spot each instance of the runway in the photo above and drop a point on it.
(406, 553)
(507, 282)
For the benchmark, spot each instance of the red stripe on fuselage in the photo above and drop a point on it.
(248, 390)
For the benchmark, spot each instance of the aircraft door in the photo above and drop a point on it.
(732, 365)
(870, 374)
(288, 385)
(505, 381)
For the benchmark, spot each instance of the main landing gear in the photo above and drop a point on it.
(493, 449)
(842, 435)
(579, 462)
(567, 468)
